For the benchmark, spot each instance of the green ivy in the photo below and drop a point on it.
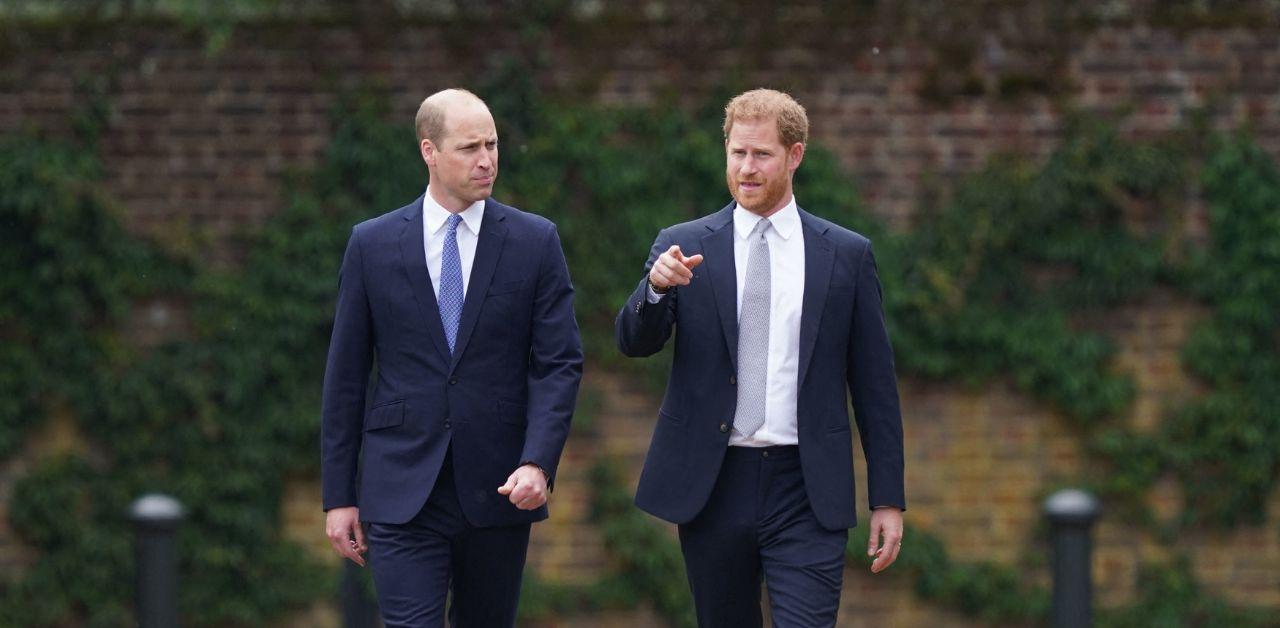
(84, 572)
(1222, 445)
(217, 419)
(71, 274)
(546, 601)
(992, 283)
(1225, 446)
(982, 590)
(1169, 597)
(650, 561)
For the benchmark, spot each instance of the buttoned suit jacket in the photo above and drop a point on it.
(844, 355)
(504, 396)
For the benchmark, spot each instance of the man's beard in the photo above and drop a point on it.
(765, 199)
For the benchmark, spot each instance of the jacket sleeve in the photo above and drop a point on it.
(874, 389)
(346, 379)
(642, 328)
(555, 361)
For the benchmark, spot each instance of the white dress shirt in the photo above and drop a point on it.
(433, 229)
(786, 295)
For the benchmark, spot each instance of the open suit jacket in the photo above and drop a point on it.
(503, 397)
(843, 346)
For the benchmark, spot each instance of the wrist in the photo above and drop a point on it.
(656, 288)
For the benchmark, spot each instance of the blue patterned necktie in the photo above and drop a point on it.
(451, 282)
(753, 335)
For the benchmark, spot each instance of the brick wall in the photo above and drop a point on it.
(198, 143)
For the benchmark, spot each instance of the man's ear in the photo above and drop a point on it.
(795, 155)
(428, 150)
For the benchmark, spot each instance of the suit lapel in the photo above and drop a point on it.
(413, 255)
(818, 261)
(717, 247)
(488, 250)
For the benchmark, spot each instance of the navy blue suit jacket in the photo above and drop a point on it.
(843, 346)
(505, 396)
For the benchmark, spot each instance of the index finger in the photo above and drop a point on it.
(887, 554)
(886, 558)
(873, 539)
(359, 534)
(345, 549)
(354, 556)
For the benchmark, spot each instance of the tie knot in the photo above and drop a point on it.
(761, 227)
(452, 222)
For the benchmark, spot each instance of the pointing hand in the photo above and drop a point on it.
(673, 269)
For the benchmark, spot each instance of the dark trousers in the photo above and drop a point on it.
(417, 564)
(758, 523)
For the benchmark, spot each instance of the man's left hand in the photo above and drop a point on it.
(886, 537)
(526, 487)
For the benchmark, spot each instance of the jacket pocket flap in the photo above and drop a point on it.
(506, 286)
(389, 415)
(671, 417)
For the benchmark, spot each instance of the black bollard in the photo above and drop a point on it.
(1071, 513)
(155, 520)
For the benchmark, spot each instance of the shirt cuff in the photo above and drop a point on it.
(650, 294)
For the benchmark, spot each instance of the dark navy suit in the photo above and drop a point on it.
(844, 355)
(449, 427)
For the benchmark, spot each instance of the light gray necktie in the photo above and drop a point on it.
(753, 335)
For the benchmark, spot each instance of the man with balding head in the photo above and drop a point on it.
(778, 324)
(465, 307)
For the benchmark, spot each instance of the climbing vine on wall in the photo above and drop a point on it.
(218, 418)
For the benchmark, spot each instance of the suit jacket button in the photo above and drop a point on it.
(724, 427)
(453, 381)
(733, 380)
(447, 424)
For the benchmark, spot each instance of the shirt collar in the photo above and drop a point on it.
(434, 215)
(784, 221)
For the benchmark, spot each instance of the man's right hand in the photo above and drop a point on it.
(345, 534)
(673, 269)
